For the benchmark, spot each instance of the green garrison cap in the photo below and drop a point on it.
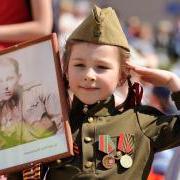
(101, 27)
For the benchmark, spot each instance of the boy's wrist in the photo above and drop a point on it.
(174, 83)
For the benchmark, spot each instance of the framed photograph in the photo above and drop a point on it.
(33, 106)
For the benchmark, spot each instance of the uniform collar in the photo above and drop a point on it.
(101, 108)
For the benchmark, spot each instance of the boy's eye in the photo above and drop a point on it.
(103, 67)
(79, 65)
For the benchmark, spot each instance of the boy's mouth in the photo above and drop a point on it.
(88, 88)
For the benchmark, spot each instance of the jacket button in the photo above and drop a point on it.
(59, 161)
(88, 164)
(90, 119)
(87, 139)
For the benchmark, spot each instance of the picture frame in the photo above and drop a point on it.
(34, 122)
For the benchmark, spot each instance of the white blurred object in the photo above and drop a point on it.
(147, 60)
(137, 58)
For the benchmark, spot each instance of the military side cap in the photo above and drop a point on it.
(101, 27)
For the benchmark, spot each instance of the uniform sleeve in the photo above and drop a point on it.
(52, 105)
(15, 176)
(176, 98)
(162, 130)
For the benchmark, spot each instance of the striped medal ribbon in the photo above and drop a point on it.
(126, 146)
(33, 173)
(107, 146)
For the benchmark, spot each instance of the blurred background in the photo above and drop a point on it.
(153, 31)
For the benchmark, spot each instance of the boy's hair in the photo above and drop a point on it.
(7, 61)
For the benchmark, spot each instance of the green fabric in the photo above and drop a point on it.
(152, 131)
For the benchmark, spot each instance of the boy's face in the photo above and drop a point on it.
(8, 82)
(93, 71)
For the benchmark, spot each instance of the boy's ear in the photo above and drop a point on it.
(122, 79)
(124, 75)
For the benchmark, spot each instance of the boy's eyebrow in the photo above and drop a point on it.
(100, 61)
(78, 59)
(97, 60)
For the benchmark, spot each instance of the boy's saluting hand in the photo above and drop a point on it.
(156, 77)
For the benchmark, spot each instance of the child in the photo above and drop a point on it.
(111, 143)
(26, 112)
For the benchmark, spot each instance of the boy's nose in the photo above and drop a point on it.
(91, 79)
(90, 75)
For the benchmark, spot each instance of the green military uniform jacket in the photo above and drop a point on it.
(151, 130)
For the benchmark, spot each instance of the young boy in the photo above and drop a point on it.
(27, 112)
(110, 143)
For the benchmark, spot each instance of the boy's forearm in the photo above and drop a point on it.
(174, 83)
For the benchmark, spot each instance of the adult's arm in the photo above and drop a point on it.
(40, 25)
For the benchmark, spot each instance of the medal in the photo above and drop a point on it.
(108, 161)
(107, 146)
(126, 161)
(126, 146)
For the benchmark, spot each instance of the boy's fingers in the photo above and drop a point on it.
(136, 68)
(142, 71)
(130, 65)
(147, 79)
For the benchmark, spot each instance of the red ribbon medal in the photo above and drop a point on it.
(126, 145)
(107, 146)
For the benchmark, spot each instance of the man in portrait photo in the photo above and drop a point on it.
(27, 112)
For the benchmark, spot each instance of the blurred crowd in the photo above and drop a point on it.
(158, 46)
(154, 46)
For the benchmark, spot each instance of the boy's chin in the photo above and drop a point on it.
(85, 101)
(89, 101)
